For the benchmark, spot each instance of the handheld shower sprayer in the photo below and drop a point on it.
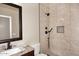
(50, 30)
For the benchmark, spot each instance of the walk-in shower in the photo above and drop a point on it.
(59, 28)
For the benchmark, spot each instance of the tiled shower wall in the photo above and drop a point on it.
(44, 22)
(66, 15)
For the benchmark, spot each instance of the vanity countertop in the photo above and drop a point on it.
(18, 51)
(28, 49)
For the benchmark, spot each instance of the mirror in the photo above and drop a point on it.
(10, 22)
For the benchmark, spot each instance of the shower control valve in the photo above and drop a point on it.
(46, 32)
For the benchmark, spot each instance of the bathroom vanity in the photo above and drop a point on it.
(29, 51)
(11, 30)
(18, 51)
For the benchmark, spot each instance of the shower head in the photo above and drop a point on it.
(47, 14)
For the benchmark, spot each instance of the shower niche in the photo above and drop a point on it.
(60, 29)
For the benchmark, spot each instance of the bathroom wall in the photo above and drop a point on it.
(30, 25)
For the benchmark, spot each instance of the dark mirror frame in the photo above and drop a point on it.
(20, 24)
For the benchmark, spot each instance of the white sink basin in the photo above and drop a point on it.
(12, 51)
